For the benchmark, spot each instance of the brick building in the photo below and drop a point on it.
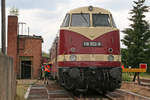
(26, 51)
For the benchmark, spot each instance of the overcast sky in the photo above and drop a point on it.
(44, 17)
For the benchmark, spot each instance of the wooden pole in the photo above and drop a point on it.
(138, 78)
(3, 27)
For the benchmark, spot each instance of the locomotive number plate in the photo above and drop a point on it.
(92, 44)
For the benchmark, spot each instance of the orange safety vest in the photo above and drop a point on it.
(47, 68)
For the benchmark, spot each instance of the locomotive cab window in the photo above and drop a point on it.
(82, 20)
(101, 20)
(66, 21)
(113, 22)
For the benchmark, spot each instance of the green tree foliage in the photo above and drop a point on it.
(0, 50)
(148, 52)
(137, 36)
(44, 54)
(124, 56)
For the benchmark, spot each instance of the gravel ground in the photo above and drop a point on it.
(141, 90)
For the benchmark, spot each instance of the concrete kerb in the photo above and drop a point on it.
(27, 93)
(46, 91)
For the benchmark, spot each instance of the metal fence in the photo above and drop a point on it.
(7, 78)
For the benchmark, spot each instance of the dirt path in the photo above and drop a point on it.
(141, 90)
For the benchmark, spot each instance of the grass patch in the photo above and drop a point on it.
(146, 75)
(129, 76)
(21, 90)
(126, 77)
(22, 86)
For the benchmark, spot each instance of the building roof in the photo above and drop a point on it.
(30, 37)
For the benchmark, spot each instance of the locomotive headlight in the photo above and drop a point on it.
(90, 8)
(73, 57)
(110, 58)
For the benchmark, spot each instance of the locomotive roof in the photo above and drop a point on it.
(86, 10)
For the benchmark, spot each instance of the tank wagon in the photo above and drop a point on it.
(86, 53)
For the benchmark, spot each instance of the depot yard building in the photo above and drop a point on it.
(26, 51)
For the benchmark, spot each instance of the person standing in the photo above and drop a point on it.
(42, 72)
(46, 73)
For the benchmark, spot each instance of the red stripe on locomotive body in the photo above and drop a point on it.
(69, 39)
(90, 64)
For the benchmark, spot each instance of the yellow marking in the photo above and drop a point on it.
(133, 70)
(88, 57)
(90, 32)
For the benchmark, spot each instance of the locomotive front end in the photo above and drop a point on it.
(89, 50)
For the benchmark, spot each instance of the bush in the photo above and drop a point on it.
(126, 77)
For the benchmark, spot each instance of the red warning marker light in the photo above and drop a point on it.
(122, 66)
(143, 66)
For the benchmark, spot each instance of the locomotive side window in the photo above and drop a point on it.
(66, 21)
(80, 20)
(113, 22)
(101, 20)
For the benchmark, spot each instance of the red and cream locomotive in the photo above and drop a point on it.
(86, 54)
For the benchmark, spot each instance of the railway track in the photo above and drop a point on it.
(54, 92)
(145, 82)
(121, 94)
(92, 96)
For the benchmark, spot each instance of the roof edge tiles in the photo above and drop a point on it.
(30, 37)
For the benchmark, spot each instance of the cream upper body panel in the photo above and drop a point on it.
(88, 57)
(86, 10)
(91, 32)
